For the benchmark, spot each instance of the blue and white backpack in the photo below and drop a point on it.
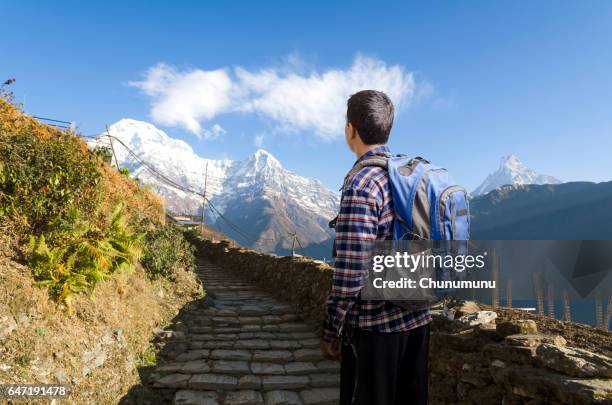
(428, 204)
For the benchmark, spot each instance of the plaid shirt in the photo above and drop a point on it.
(366, 214)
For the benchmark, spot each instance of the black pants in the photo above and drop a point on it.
(385, 368)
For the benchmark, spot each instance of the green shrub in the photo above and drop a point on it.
(42, 180)
(90, 256)
(165, 249)
(61, 195)
(105, 153)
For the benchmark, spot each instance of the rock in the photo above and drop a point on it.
(212, 382)
(325, 380)
(249, 320)
(273, 319)
(252, 310)
(292, 327)
(93, 359)
(303, 335)
(537, 385)
(478, 318)
(177, 335)
(283, 398)
(230, 355)
(226, 312)
(201, 329)
(201, 337)
(60, 376)
(191, 397)
(175, 380)
(118, 332)
(284, 344)
(284, 382)
(328, 366)
(193, 355)
(106, 339)
(289, 317)
(300, 368)
(195, 367)
(267, 368)
(181, 327)
(217, 344)
(170, 368)
(310, 343)
(535, 340)
(7, 326)
(321, 396)
(308, 355)
(173, 350)
(510, 354)
(459, 342)
(487, 330)
(574, 361)
(517, 327)
(272, 356)
(244, 397)
(230, 367)
(22, 318)
(466, 308)
(252, 344)
(249, 382)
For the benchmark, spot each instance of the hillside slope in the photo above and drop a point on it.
(88, 266)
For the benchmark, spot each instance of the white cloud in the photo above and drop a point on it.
(214, 132)
(259, 140)
(187, 98)
(295, 101)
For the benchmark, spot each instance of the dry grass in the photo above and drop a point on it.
(48, 344)
(48, 341)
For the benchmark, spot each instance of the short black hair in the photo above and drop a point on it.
(371, 113)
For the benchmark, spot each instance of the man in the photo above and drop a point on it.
(383, 347)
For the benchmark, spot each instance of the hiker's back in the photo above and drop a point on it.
(372, 182)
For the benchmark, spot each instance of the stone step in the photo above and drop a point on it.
(245, 347)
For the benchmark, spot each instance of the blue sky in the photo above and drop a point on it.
(482, 79)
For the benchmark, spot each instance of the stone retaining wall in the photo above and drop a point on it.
(484, 357)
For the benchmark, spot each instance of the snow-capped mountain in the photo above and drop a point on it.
(265, 201)
(512, 171)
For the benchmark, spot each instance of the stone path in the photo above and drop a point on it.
(247, 348)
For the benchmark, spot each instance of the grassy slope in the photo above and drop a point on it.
(48, 344)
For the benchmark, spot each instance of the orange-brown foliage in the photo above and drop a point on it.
(117, 188)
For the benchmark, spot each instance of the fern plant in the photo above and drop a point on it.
(88, 257)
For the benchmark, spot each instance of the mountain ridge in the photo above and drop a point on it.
(572, 210)
(512, 171)
(244, 191)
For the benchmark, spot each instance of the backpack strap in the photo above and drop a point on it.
(378, 159)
